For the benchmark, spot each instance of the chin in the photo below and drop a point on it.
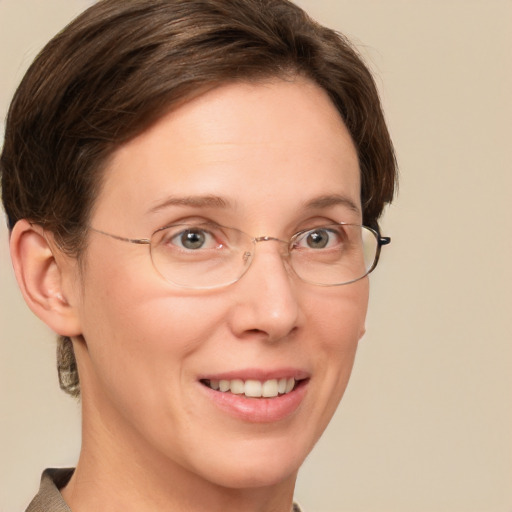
(257, 463)
(254, 476)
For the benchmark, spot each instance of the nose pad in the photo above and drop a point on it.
(248, 256)
(284, 254)
(283, 245)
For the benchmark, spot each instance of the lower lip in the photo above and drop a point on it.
(258, 410)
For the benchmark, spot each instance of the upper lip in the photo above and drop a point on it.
(258, 374)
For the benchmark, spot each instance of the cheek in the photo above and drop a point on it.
(131, 299)
(143, 324)
(339, 314)
(137, 330)
(337, 322)
(141, 349)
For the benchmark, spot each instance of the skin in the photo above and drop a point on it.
(152, 438)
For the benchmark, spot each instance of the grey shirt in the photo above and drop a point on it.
(49, 498)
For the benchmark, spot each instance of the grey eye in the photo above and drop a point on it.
(318, 239)
(192, 239)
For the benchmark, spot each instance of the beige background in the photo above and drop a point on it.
(426, 424)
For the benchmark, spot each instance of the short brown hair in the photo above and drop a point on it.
(123, 64)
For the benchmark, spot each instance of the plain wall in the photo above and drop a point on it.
(426, 423)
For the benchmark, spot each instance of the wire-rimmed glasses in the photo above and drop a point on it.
(207, 255)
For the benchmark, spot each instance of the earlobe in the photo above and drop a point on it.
(41, 278)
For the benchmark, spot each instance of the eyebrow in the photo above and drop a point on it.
(332, 200)
(212, 201)
(208, 201)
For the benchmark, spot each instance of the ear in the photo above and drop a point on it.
(43, 273)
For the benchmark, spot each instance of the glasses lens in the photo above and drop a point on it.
(334, 254)
(201, 255)
(207, 255)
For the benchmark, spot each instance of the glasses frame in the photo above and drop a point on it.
(381, 241)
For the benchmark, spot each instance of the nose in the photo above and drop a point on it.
(266, 298)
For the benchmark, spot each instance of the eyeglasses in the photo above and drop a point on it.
(207, 255)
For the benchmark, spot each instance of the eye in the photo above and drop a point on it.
(190, 237)
(194, 239)
(318, 239)
(326, 237)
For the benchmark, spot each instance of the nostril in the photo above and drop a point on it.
(256, 331)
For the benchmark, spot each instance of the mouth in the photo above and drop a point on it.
(257, 395)
(251, 388)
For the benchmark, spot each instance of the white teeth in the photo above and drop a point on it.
(237, 387)
(254, 388)
(269, 388)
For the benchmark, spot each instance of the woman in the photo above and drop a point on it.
(186, 185)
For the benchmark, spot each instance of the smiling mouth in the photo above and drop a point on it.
(254, 388)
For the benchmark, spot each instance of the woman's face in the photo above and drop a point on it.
(270, 159)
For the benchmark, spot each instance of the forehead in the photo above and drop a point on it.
(257, 146)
